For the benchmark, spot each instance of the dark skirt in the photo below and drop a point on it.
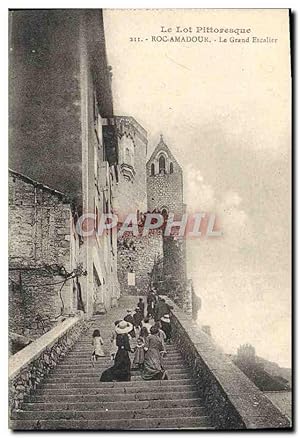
(167, 328)
(120, 371)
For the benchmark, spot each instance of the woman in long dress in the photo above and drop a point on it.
(162, 336)
(113, 340)
(166, 327)
(153, 368)
(120, 371)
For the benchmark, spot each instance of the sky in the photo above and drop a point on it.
(224, 111)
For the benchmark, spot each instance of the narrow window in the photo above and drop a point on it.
(127, 156)
(152, 169)
(96, 218)
(162, 164)
(171, 168)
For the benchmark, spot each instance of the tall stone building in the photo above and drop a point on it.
(63, 136)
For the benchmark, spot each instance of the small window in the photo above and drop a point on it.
(162, 164)
(171, 168)
(152, 169)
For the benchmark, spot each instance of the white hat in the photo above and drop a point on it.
(165, 318)
(123, 327)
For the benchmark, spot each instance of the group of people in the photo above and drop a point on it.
(136, 335)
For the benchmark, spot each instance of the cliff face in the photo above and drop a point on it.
(266, 375)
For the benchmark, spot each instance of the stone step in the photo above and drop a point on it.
(120, 386)
(92, 372)
(98, 389)
(100, 397)
(95, 371)
(96, 377)
(89, 347)
(138, 424)
(106, 414)
(88, 342)
(117, 405)
(73, 368)
(87, 355)
(90, 367)
(74, 360)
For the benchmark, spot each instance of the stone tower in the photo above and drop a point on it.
(130, 195)
(165, 195)
(136, 254)
(164, 181)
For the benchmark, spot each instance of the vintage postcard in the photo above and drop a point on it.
(150, 219)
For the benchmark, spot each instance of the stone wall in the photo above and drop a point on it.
(28, 367)
(137, 255)
(174, 268)
(34, 301)
(233, 401)
(39, 223)
(45, 114)
(165, 191)
(164, 187)
(43, 253)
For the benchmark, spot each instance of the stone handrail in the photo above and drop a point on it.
(233, 401)
(29, 366)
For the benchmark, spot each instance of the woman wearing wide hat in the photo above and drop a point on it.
(120, 371)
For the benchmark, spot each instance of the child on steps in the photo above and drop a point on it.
(139, 354)
(97, 344)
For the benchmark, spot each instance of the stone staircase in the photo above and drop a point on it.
(72, 397)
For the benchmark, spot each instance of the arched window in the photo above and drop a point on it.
(127, 151)
(152, 169)
(162, 164)
(171, 168)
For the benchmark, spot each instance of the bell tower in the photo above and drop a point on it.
(164, 181)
